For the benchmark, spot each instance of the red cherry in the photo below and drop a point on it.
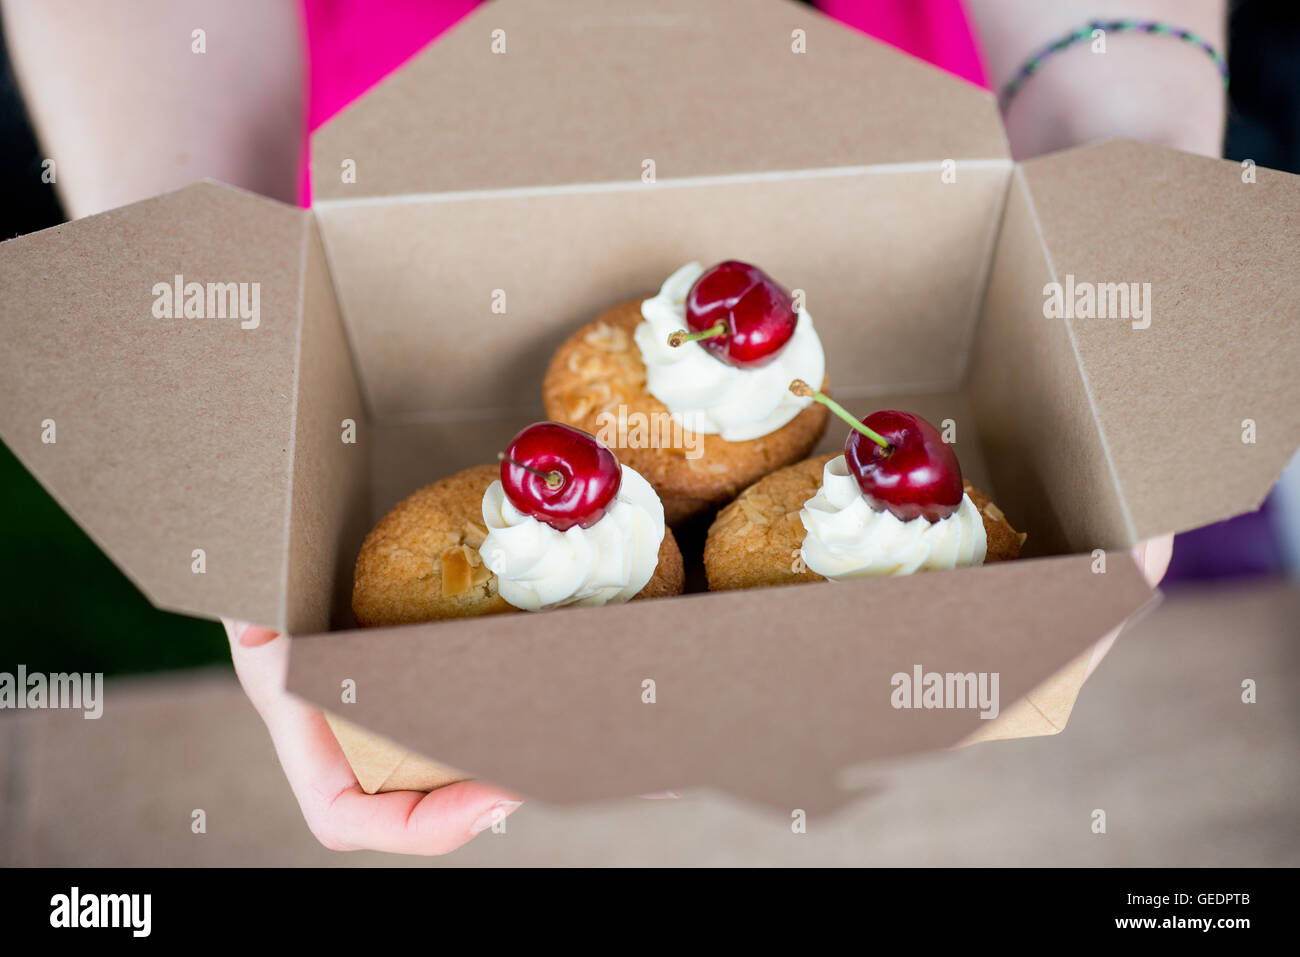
(916, 477)
(899, 460)
(560, 475)
(740, 314)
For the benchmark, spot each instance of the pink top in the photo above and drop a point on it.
(353, 44)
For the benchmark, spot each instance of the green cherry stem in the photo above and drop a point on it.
(803, 389)
(681, 336)
(553, 479)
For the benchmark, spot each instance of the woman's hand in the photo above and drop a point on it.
(339, 813)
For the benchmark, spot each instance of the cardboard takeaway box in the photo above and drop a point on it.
(208, 458)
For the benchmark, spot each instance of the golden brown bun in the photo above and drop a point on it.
(599, 368)
(755, 540)
(421, 562)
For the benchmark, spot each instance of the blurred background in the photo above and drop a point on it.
(68, 608)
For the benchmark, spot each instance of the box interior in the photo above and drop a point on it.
(922, 291)
(891, 262)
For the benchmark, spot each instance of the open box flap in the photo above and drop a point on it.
(167, 439)
(771, 705)
(586, 91)
(1200, 411)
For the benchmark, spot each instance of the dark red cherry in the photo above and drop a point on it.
(900, 461)
(560, 475)
(916, 477)
(740, 314)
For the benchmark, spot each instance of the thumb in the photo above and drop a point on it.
(261, 660)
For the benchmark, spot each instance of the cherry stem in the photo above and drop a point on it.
(801, 388)
(681, 336)
(552, 478)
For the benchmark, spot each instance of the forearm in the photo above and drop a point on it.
(126, 108)
(1152, 88)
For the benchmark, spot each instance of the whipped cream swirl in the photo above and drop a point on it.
(847, 538)
(540, 567)
(708, 396)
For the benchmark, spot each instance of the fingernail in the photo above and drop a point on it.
(661, 796)
(246, 635)
(498, 812)
(256, 637)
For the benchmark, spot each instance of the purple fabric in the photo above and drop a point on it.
(1240, 547)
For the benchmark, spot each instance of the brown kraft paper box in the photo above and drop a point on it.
(231, 450)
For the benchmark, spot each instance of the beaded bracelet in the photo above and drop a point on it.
(1109, 26)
